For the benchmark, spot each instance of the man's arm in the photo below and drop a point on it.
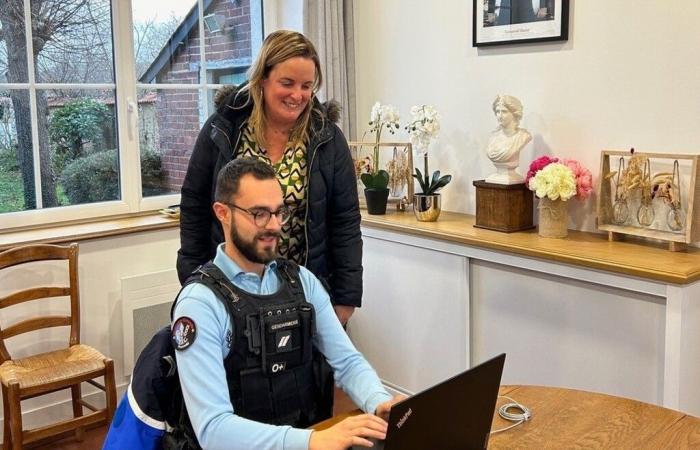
(352, 371)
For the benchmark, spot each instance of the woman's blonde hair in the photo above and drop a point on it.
(278, 47)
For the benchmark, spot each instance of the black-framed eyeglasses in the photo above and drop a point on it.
(262, 216)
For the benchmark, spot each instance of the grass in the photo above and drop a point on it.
(11, 193)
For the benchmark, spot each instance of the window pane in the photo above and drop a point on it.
(169, 121)
(166, 41)
(73, 41)
(83, 146)
(13, 47)
(16, 163)
(228, 45)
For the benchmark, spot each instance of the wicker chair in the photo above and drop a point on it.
(48, 372)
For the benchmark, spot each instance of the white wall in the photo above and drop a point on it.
(627, 77)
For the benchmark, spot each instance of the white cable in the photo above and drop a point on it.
(518, 418)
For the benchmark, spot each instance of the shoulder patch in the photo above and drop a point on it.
(183, 333)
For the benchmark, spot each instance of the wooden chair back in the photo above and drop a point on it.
(36, 253)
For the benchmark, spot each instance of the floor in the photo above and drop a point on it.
(93, 438)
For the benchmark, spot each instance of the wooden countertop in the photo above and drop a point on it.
(647, 260)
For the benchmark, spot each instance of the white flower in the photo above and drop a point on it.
(424, 127)
(389, 115)
(376, 112)
(383, 116)
(555, 181)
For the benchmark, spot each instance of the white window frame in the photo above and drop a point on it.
(125, 87)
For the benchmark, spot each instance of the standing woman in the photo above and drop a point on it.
(276, 117)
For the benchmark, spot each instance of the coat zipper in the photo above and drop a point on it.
(228, 138)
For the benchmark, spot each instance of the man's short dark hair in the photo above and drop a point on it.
(229, 178)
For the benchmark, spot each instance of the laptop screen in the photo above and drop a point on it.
(454, 414)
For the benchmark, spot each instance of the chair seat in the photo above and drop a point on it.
(52, 366)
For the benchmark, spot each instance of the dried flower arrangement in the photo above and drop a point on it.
(630, 179)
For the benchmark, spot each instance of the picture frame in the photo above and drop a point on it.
(658, 228)
(504, 22)
(394, 157)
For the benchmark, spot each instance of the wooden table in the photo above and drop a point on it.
(567, 418)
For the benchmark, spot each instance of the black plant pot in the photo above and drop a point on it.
(376, 200)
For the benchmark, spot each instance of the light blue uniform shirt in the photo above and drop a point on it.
(201, 365)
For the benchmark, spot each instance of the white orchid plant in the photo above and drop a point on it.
(422, 129)
(424, 126)
(382, 117)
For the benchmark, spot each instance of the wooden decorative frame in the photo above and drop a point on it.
(518, 22)
(690, 199)
(390, 154)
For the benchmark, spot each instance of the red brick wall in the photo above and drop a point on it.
(178, 111)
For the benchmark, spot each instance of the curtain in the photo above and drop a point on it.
(329, 25)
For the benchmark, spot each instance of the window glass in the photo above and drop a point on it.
(13, 43)
(228, 37)
(169, 120)
(173, 117)
(12, 183)
(84, 156)
(73, 41)
(166, 40)
(61, 106)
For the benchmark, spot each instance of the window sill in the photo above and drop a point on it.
(95, 229)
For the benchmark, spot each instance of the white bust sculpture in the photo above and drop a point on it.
(507, 140)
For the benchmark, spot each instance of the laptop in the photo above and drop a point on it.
(455, 414)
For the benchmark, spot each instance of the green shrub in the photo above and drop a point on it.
(95, 177)
(92, 178)
(73, 125)
(152, 177)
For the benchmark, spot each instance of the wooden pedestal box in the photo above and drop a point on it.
(503, 207)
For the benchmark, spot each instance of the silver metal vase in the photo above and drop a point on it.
(426, 207)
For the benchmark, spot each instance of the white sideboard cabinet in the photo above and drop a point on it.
(613, 317)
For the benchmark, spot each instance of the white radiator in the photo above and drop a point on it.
(146, 301)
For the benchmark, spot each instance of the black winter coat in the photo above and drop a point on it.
(334, 241)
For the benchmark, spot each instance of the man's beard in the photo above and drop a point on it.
(249, 248)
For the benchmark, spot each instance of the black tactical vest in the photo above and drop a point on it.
(274, 373)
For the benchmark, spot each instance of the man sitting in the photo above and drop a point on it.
(247, 364)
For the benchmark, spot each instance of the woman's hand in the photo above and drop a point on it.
(352, 431)
(343, 312)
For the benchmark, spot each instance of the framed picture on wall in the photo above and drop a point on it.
(501, 22)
